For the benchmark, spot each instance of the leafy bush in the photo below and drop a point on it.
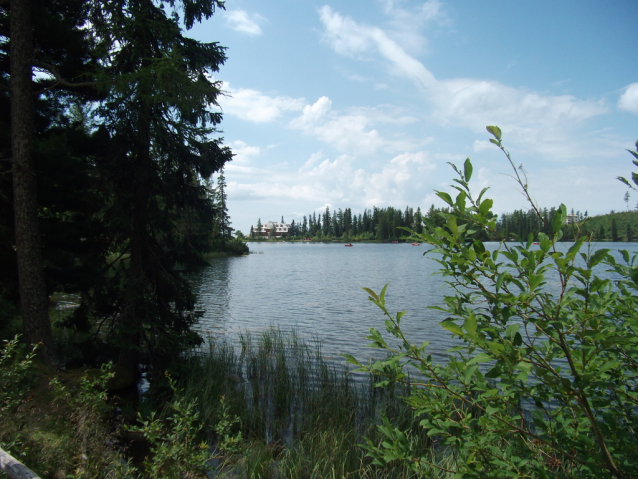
(543, 382)
(14, 376)
(175, 452)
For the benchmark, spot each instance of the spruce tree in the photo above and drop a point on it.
(52, 37)
(158, 119)
(221, 198)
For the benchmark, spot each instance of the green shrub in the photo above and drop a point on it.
(175, 452)
(543, 382)
(15, 368)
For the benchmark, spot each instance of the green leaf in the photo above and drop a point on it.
(494, 130)
(485, 206)
(470, 324)
(623, 180)
(499, 280)
(460, 201)
(598, 256)
(351, 359)
(571, 253)
(511, 330)
(371, 293)
(481, 358)
(559, 218)
(467, 168)
(452, 327)
(445, 197)
(494, 373)
(382, 295)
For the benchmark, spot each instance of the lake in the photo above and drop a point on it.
(315, 288)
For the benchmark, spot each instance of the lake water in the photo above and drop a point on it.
(315, 288)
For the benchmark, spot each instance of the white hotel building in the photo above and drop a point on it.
(280, 229)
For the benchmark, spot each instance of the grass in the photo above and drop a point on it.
(299, 415)
(289, 413)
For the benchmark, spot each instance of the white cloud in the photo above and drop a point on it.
(480, 145)
(253, 105)
(629, 99)
(312, 113)
(469, 102)
(338, 182)
(352, 132)
(345, 132)
(349, 38)
(407, 23)
(243, 152)
(400, 180)
(476, 103)
(242, 22)
(312, 160)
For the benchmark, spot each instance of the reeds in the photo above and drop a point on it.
(300, 414)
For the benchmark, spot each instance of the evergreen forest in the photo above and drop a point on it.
(390, 224)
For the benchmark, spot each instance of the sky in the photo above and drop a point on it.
(363, 103)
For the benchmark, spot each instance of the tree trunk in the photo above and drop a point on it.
(33, 297)
(139, 260)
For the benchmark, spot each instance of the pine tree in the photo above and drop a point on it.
(614, 230)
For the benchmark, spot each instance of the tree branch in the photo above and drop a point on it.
(60, 81)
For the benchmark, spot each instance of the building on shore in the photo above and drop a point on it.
(280, 229)
(572, 219)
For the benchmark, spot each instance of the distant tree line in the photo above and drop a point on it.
(382, 224)
(386, 224)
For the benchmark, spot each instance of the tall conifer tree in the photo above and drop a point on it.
(158, 119)
(222, 207)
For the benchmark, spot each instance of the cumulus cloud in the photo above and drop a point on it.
(354, 131)
(255, 106)
(242, 22)
(338, 181)
(243, 152)
(312, 114)
(629, 99)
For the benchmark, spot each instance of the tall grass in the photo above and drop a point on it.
(300, 415)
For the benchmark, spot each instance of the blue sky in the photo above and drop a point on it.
(363, 103)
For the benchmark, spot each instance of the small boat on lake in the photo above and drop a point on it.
(349, 244)
(416, 244)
